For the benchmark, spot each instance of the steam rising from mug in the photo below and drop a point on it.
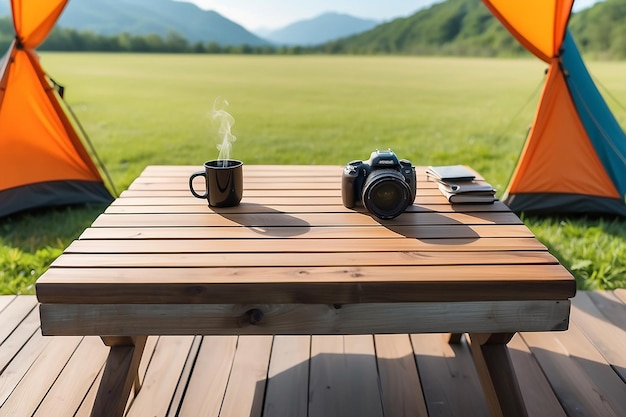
(226, 123)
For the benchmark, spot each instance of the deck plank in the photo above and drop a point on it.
(611, 306)
(575, 380)
(608, 339)
(246, 385)
(449, 379)
(5, 300)
(209, 377)
(343, 377)
(19, 366)
(401, 388)
(32, 388)
(16, 340)
(538, 396)
(162, 377)
(288, 378)
(565, 374)
(12, 315)
(69, 390)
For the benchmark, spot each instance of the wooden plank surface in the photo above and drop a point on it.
(458, 231)
(400, 384)
(278, 219)
(43, 372)
(173, 319)
(449, 380)
(288, 377)
(560, 374)
(303, 260)
(136, 202)
(67, 393)
(207, 384)
(180, 246)
(343, 377)
(246, 384)
(162, 377)
(305, 285)
(421, 255)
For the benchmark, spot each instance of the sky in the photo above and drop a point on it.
(274, 14)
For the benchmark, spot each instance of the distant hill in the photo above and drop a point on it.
(320, 29)
(457, 27)
(143, 17)
(601, 30)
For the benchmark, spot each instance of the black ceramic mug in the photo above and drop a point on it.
(224, 182)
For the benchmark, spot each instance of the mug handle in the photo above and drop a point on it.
(194, 175)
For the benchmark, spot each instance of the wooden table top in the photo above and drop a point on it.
(291, 240)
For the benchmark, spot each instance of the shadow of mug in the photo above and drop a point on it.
(265, 221)
(223, 182)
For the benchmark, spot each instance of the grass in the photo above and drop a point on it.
(155, 109)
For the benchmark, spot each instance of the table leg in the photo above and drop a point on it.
(120, 375)
(497, 375)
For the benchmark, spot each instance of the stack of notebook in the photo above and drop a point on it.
(458, 184)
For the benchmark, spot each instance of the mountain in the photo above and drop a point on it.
(320, 29)
(464, 27)
(143, 17)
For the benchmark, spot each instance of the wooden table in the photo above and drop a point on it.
(291, 259)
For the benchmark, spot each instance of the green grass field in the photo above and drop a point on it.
(156, 109)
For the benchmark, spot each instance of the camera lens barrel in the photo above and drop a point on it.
(386, 193)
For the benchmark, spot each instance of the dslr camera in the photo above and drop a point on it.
(385, 185)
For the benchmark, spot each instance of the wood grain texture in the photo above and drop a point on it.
(458, 317)
(287, 391)
(66, 394)
(207, 384)
(162, 378)
(313, 245)
(118, 378)
(343, 377)
(246, 384)
(340, 285)
(400, 385)
(26, 397)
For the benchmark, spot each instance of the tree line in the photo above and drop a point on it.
(72, 40)
(452, 27)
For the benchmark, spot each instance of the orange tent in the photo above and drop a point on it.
(42, 156)
(574, 159)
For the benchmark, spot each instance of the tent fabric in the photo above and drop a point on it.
(550, 203)
(608, 138)
(573, 160)
(33, 19)
(46, 194)
(40, 149)
(558, 156)
(539, 25)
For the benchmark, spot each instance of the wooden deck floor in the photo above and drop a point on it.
(581, 372)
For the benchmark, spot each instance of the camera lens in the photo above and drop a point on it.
(386, 194)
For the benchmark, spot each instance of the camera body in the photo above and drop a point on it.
(384, 184)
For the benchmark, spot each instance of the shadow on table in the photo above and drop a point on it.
(264, 220)
(437, 228)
